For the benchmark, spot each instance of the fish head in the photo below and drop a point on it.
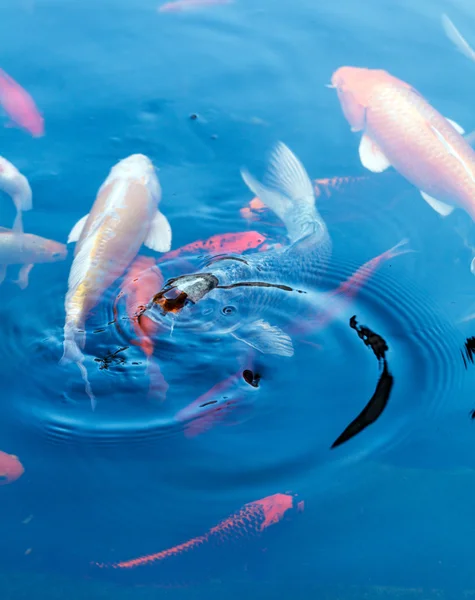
(48, 250)
(137, 167)
(355, 86)
(195, 302)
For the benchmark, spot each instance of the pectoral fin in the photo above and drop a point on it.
(22, 281)
(77, 230)
(159, 237)
(266, 338)
(371, 155)
(441, 207)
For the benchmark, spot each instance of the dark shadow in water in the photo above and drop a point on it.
(378, 401)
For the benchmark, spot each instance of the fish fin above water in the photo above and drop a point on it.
(73, 340)
(22, 281)
(159, 237)
(441, 207)
(287, 191)
(458, 128)
(76, 231)
(371, 156)
(266, 338)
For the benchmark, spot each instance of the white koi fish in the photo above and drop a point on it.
(16, 185)
(124, 216)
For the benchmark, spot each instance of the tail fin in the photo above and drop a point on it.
(288, 192)
(73, 354)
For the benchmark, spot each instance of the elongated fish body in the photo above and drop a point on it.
(401, 129)
(123, 217)
(27, 249)
(16, 185)
(235, 294)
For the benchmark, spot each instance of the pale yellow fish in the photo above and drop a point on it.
(124, 216)
(27, 250)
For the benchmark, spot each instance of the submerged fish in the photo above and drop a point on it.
(16, 185)
(401, 129)
(247, 523)
(185, 5)
(11, 468)
(19, 106)
(231, 294)
(124, 216)
(27, 249)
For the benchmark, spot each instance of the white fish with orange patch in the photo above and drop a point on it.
(16, 185)
(124, 216)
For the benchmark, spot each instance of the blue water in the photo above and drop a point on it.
(388, 512)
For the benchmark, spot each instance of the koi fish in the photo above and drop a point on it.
(231, 294)
(16, 185)
(11, 468)
(27, 249)
(124, 216)
(223, 243)
(19, 106)
(142, 278)
(325, 186)
(249, 522)
(184, 5)
(401, 129)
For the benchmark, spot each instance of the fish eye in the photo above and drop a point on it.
(228, 310)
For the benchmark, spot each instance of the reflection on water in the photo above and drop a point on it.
(253, 439)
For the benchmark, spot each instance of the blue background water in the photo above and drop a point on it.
(393, 508)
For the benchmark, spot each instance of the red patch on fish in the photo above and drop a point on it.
(224, 243)
(20, 106)
(247, 523)
(11, 468)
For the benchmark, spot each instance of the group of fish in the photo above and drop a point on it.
(398, 128)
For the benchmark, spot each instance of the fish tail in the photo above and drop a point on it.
(288, 192)
(74, 340)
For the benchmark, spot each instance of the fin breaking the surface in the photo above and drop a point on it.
(371, 156)
(266, 338)
(159, 237)
(288, 192)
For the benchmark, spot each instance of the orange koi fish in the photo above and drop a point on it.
(401, 129)
(11, 468)
(184, 5)
(249, 522)
(19, 106)
(142, 280)
(325, 186)
(349, 289)
(221, 244)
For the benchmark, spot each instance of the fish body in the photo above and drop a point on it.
(27, 249)
(401, 129)
(247, 523)
(16, 185)
(11, 468)
(124, 216)
(230, 292)
(19, 106)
